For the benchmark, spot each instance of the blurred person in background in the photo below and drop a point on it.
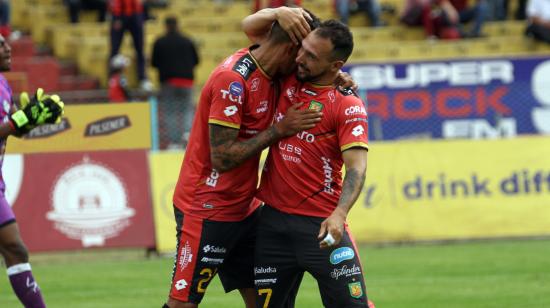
(477, 13)
(262, 4)
(75, 6)
(440, 20)
(5, 29)
(371, 8)
(127, 15)
(411, 15)
(538, 17)
(42, 109)
(175, 57)
(118, 84)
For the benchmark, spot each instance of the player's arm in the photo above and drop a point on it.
(355, 160)
(227, 152)
(292, 20)
(41, 109)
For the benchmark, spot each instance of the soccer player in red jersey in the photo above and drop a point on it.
(213, 200)
(303, 226)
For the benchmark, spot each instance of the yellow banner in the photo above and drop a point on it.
(434, 190)
(90, 127)
(165, 169)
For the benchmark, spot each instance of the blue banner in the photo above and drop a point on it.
(474, 98)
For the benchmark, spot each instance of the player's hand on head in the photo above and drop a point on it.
(332, 229)
(295, 22)
(344, 80)
(297, 120)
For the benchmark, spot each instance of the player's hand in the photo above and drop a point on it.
(39, 109)
(296, 120)
(53, 109)
(332, 229)
(344, 80)
(294, 22)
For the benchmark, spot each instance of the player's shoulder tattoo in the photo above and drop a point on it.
(245, 66)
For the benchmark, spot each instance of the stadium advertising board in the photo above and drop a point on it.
(90, 127)
(165, 169)
(78, 200)
(465, 189)
(478, 98)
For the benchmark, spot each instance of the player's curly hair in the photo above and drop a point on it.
(279, 36)
(340, 37)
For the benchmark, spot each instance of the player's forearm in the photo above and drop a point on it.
(229, 155)
(257, 25)
(351, 189)
(7, 129)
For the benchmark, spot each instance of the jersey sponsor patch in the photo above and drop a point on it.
(341, 254)
(235, 88)
(347, 92)
(315, 105)
(245, 66)
(310, 92)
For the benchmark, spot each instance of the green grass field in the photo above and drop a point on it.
(474, 274)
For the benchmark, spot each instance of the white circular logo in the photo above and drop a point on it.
(90, 204)
(540, 86)
(13, 168)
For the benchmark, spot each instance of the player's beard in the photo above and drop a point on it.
(306, 76)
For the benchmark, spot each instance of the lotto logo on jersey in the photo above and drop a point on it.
(358, 131)
(230, 110)
(181, 284)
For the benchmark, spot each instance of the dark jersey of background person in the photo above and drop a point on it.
(175, 56)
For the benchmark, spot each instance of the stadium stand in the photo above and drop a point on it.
(216, 28)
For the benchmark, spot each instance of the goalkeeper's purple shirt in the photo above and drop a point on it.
(5, 99)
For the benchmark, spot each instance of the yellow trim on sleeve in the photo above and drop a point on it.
(224, 123)
(354, 145)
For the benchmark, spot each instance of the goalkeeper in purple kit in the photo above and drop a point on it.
(35, 111)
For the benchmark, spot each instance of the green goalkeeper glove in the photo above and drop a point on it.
(39, 110)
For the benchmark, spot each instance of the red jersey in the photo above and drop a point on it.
(303, 173)
(239, 95)
(125, 7)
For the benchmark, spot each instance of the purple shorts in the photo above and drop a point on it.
(6, 214)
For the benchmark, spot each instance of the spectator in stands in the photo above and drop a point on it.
(76, 5)
(520, 13)
(412, 11)
(440, 20)
(370, 7)
(262, 4)
(497, 9)
(118, 85)
(128, 15)
(175, 57)
(538, 16)
(5, 29)
(477, 13)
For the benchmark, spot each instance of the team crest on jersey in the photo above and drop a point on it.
(255, 84)
(245, 66)
(186, 256)
(315, 105)
(355, 289)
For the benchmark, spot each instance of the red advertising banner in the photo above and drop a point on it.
(79, 200)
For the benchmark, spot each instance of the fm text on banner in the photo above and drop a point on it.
(465, 189)
(483, 98)
(91, 127)
(76, 200)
